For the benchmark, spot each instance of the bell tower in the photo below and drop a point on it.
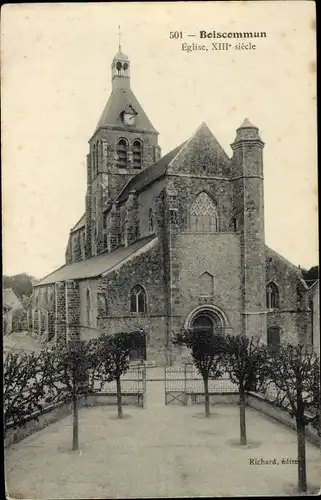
(123, 144)
(120, 68)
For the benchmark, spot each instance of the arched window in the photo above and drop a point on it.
(88, 307)
(122, 147)
(119, 67)
(138, 300)
(272, 296)
(151, 220)
(273, 335)
(137, 154)
(203, 215)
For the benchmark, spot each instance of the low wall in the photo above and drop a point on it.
(35, 422)
(39, 420)
(106, 398)
(253, 400)
(188, 399)
(258, 403)
(215, 399)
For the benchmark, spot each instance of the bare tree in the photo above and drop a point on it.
(294, 374)
(244, 361)
(207, 352)
(113, 358)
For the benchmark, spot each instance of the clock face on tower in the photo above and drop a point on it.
(128, 118)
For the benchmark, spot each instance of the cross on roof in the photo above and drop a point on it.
(119, 39)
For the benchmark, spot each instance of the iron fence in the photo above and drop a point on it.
(187, 379)
(132, 382)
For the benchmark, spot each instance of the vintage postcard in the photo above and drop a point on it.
(160, 249)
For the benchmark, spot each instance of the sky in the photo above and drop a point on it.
(56, 80)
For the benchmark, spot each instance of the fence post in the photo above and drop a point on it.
(144, 385)
(187, 373)
(165, 385)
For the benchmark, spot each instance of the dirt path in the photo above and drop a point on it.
(160, 451)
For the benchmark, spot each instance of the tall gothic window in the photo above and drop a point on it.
(151, 220)
(272, 296)
(88, 307)
(122, 147)
(137, 154)
(203, 215)
(138, 300)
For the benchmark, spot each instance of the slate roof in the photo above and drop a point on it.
(95, 266)
(10, 299)
(118, 100)
(150, 174)
(272, 253)
(247, 124)
(81, 223)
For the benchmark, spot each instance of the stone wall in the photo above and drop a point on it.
(148, 200)
(293, 316)
(72, 309)
(219, 255)
(88, 330)
(258, 403)
(40, 420)
(146, 270)
(60, 312)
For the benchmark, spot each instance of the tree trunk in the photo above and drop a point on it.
(243, 439)
(207, 398)
(302, 477)
(119, 402)
(75, 444)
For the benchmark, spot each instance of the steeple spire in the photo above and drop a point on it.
(119, 39)
(120, 73)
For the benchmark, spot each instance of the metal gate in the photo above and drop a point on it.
(175, 379)
(184, 384)
(133, 383)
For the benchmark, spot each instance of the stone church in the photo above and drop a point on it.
(170, 241)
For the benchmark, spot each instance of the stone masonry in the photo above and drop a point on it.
(171, 242)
